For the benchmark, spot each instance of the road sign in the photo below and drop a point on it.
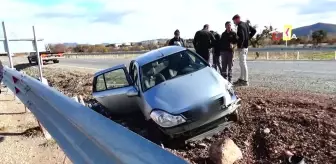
(287, 34)
(276, 36)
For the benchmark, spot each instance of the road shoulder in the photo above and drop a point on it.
(21, 141)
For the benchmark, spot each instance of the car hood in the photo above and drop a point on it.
(178, 94)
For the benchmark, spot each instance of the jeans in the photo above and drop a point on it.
(227, 63)
(242, 63)
(216, 62)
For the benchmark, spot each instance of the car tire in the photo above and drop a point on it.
(56, 61)
(155, 134)
(30, 62)
(234, 116)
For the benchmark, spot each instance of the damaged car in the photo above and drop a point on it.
(174, 88)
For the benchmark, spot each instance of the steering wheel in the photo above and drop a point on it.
(159, 78)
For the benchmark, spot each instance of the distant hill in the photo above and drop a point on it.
(70, 44)
(306, 30)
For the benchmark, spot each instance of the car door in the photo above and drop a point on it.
(135, 75)
(114, 89)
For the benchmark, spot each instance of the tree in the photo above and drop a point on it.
(318, 36)
(56, 47)
(260, 39)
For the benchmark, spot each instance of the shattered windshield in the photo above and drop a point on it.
(170, 67)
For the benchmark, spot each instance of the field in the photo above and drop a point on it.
(298, 121)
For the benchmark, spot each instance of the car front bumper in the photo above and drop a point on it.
(203, 125)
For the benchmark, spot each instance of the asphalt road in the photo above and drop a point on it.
(315, 76)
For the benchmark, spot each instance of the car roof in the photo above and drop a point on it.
(157, 53)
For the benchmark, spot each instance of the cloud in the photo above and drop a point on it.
(318, 7)
(111, 17)
(98, 21)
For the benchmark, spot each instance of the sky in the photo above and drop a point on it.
(118, 21)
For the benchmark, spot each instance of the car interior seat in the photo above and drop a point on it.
(153, 77)
(174, 65)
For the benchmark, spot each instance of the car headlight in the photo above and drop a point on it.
(165, 119)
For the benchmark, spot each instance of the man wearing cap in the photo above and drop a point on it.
(177, 40)
(244, 32)
(203, 41)
(227, 40)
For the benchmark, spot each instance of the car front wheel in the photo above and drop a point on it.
(234, 116)
(155, 134)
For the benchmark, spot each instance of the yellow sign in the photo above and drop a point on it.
(287, 33)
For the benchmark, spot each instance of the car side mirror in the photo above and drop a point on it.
(132, 92)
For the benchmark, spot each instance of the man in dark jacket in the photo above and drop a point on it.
(227, 40)
(203, 41)
(216, 52)
(177, 40)
(245, 32)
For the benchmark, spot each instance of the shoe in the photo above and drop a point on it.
(240, 82)
(237, 82)
(244, 83)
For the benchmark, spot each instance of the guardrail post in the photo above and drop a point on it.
(298, 55)
(9, 53)
(286, 55)
(267, 55)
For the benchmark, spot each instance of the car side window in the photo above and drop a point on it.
(100, 83)
(116, 79)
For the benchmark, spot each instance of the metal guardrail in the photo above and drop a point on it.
(262, 55)
(84, 135)
(264, 49)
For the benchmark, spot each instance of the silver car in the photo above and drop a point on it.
(173, 87)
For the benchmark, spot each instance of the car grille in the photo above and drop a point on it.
(205, 110)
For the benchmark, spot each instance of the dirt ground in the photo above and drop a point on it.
(300, 122)
(21, 141)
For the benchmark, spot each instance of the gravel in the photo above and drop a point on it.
(274, 122)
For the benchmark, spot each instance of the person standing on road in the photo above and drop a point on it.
(216, 51)
(244, 32)
(177, 40)
(227, 40)
(203, 41)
